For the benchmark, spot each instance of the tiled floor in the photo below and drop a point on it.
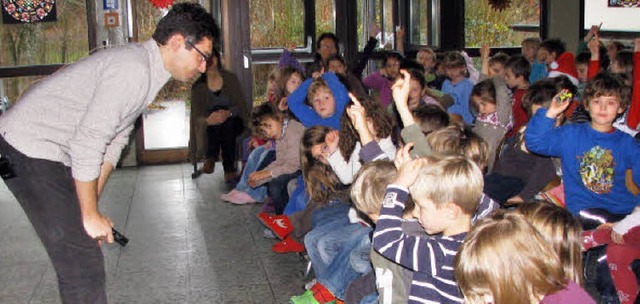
(185, 245)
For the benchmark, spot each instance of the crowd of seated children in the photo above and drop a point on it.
(443, 170)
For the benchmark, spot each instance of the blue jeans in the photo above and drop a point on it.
(255, 160)
(327, 225)
(351, 261)
(298, 199)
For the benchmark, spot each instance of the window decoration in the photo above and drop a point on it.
(161, 3)
(28, 11)
(624, 3)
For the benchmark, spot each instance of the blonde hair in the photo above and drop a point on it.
(451, 179)
(453, 140)
(367, 190)
(505, 257)
(317, 85)
(561, 230)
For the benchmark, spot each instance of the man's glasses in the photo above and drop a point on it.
(204, 56)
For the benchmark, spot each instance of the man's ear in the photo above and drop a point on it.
(176, 41)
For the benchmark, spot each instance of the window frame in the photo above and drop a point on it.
(48, 69)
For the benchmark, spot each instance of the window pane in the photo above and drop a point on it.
(325, 17)
(260, 74)
(419, 26)
(276, 23)
(380, 12)
(13, 87)
(62, 41)
(484, 25)
(388, 29)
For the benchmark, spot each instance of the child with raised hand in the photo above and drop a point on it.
(286, 133)
(446, 193)
(623, 247)
(493, 65)
(343, 156)
(504, 259)
(319, 101)
(594, 155)
(490, 98)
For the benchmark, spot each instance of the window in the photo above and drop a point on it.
(381, 12)
(506, 28)
(276, 23)
(423, 18)
(62, 41)
(325, 17)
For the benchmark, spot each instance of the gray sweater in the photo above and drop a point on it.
(82, 115)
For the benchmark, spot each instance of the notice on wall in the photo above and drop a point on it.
(111, 19)
(615, 15)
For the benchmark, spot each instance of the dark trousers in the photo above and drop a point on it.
(47, 194)
(223, 136)
(277, 189)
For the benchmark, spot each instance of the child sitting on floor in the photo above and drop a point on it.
(490, 99)
(446, 194)
(286, 133)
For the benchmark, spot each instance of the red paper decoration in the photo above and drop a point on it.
(161, 3)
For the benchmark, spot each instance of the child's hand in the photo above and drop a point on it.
(331, 140)
(374, 30)
(636, 43)
(594, 47)
(409, 172)
(617, 237)
(484, 51)
(400, 90)
(357, 114)
(403, 156)
(255, 178)
(559, 103)
(400, 33)
(283, 105)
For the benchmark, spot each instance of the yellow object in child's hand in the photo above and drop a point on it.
(565, 96)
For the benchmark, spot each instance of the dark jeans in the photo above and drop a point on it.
(277, 189)
(501, 188)
(47, 194)
(223, 136)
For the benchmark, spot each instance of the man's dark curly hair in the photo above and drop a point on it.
(190, 20)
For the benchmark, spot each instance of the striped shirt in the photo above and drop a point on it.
(431, 258)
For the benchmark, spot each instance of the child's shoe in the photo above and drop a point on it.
(237, 197)
(317, 294)
(305, 298)
(288, 245)
(279, 224)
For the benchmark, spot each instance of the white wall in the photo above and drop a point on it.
(612, 18)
